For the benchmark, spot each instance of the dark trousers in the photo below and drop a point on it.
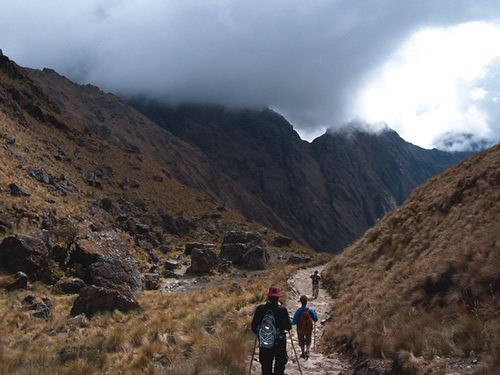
(278, 354)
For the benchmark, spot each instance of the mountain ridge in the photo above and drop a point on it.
(295, 177)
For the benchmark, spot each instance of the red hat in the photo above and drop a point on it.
(274, 291)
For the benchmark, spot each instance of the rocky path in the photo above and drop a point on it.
(317, 363)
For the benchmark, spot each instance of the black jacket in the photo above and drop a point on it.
(280, 316)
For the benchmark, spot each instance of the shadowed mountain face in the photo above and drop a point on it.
(329, 191)
(324, 194)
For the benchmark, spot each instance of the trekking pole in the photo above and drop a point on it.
(296, 358)
(253, 352)
(314, 348)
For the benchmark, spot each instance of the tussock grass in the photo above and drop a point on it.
(202, 332)
(425, 281)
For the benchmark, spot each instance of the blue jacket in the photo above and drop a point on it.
(299, 312)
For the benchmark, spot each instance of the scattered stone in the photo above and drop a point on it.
(79, 321)
(236, 288)
(171, 275)
(91, 179)
(20, 282)
(17, 191)
(38, 174)
(70, 286)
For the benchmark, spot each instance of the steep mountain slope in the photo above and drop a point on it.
(367, 175)
(74, 205)
(426, 279)
(108, 117)
(329, 191)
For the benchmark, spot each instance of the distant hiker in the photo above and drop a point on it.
(315, 283)
(304, 318)
(270, 322)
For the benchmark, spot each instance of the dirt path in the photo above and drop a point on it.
(317, 364)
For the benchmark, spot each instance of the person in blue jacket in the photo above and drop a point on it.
(277, 353)
(304, 330)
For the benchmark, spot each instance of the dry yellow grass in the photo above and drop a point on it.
(203, 332)
(426, 279)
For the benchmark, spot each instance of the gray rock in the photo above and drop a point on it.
(70, 286)
(94, 299)
(17, 191)
(26, 252)
(116, 272)
(203, 260)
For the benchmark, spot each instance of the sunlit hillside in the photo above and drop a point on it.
(424, 283)
(59, 180)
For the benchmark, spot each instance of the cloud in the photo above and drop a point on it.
(308, 60)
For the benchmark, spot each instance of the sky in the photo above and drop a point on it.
(429, 69)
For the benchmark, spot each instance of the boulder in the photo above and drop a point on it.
(244, 249)
(193, 245)
(255, 258)
(116, 272)
(297, 259)
(94, 299)
(248, 238)
(26, 252)
(203, 260)
(171, 265)
(151, 281)
(233, 251)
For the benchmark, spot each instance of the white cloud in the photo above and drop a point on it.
(430, 85)
(305, 59)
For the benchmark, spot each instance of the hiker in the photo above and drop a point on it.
(276, 351)
(304, 319)
(315, 283)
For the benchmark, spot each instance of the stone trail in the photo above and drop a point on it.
(317, 364)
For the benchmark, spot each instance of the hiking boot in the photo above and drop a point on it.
(307, 355)
(303, 355)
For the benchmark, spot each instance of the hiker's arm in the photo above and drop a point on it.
(256, 320)
(314, 316)
(296, 317)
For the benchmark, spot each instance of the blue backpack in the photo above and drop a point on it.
(267, 331)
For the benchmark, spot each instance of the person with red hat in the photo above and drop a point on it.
(277, 352)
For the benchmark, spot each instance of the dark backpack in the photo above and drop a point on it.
(315, 279)
(268, 331)
(305, 325)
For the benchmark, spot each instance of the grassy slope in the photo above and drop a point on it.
(186, 333)
(426, 279)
